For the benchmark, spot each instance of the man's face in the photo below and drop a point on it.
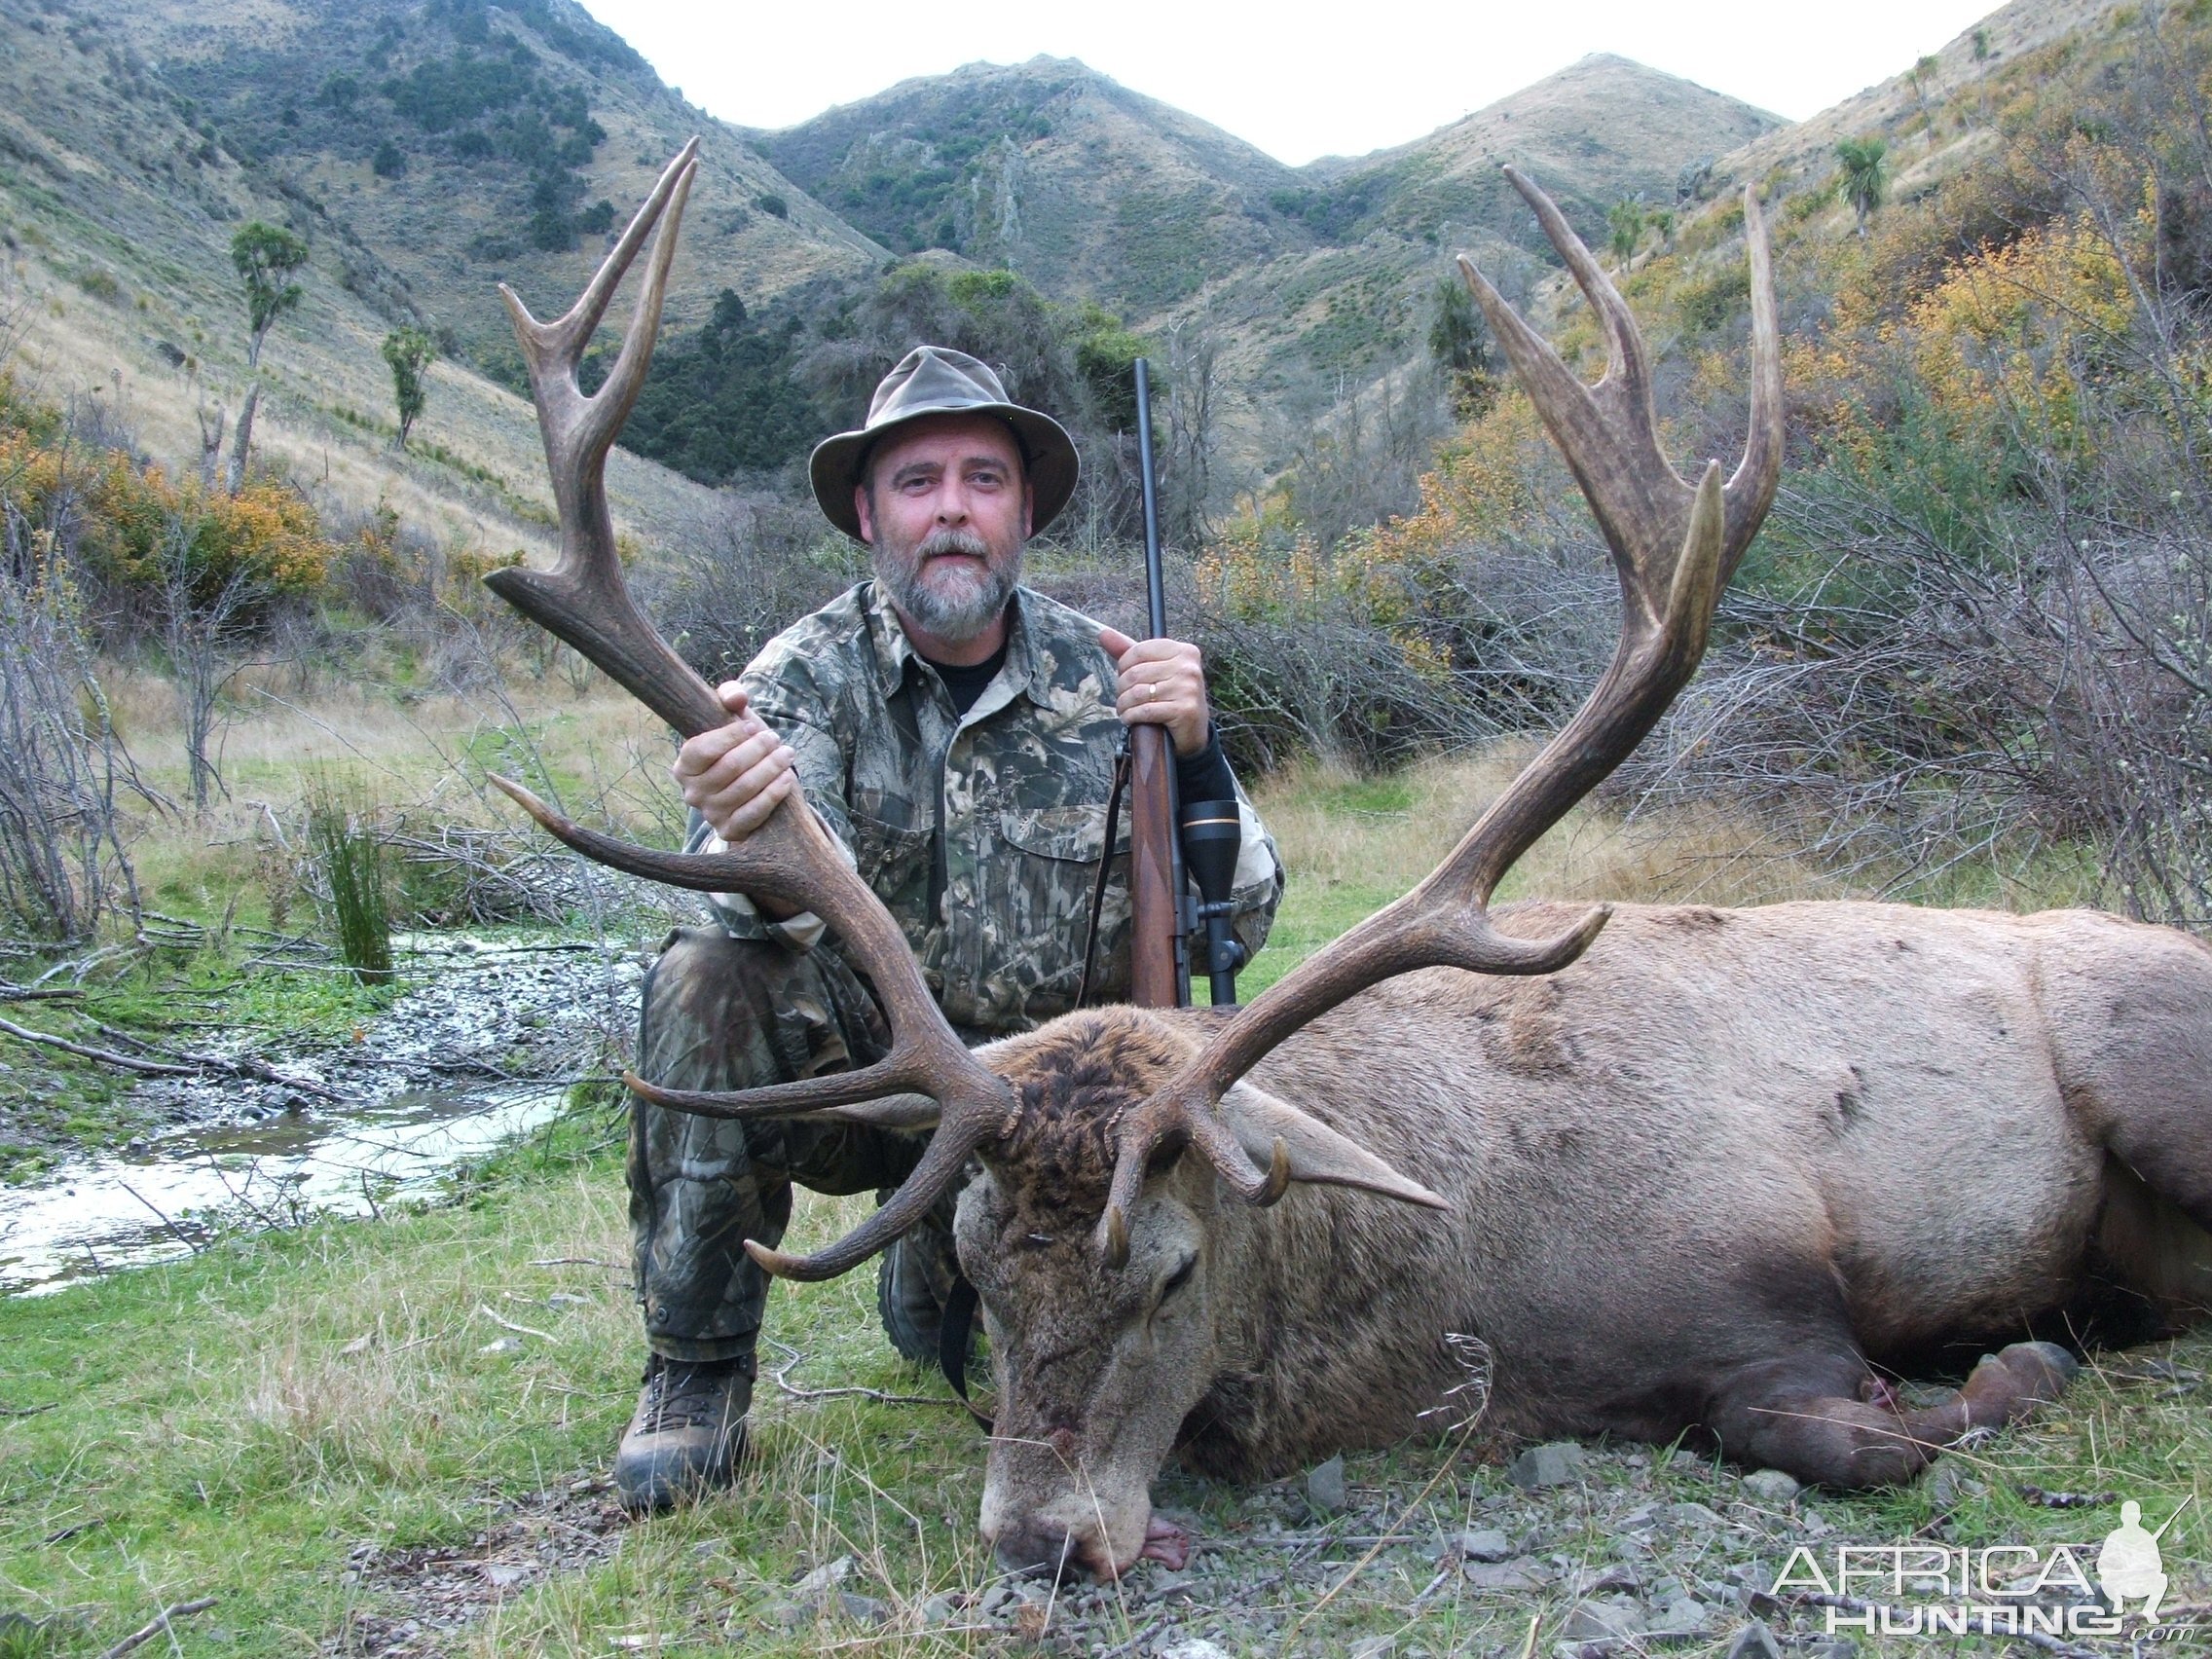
(945, 512)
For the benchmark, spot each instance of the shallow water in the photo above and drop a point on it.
(171, 1194)
(515, 1016)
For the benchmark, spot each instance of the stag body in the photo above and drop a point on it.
(1698, 1181)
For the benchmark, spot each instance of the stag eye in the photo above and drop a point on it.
(1180, 1277)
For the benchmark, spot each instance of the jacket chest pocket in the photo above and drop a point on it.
(895, 863)
(1041, 894)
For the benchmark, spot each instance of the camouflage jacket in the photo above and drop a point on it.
(982, 832)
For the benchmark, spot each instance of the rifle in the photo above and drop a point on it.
(1164, 914)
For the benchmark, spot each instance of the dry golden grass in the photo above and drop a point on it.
(1339, 831)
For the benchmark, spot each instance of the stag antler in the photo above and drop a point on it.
(1675, 546)
(790, 858)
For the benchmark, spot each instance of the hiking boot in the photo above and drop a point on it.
(687, 1434)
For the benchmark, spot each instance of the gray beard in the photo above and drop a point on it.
(958, 616)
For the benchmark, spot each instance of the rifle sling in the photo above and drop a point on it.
(957, 1327)
(1105, 865)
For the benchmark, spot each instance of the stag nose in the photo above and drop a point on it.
(1039, 1549)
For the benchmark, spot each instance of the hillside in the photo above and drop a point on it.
(1054, 171)
(116, 215)
(472, 144)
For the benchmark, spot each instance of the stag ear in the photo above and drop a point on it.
(887, 1112)
(1270, 1130)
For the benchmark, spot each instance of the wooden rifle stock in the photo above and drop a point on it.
(1159, 971)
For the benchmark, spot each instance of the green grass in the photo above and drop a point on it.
(282, 1420)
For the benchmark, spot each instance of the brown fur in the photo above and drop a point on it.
(1703, 1180)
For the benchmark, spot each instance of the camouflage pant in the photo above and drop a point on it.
(722, 1013)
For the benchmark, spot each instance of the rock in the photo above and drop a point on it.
(942, 1609)
(505, 1345)
(998, 1599)
(1523, 1574)
(1600, 1580)
(1770, 1485)
(503, 1576)
(1696, 1518)
(1834, 1647)
(1485, 1544)
(1613, 1620)
(863, 1609)
(1682, 1619)
(1754, 1641)
(1325, 1488)
(1191, 1648)
(826, 1577)
(1559, 1463)
(1373, 1647)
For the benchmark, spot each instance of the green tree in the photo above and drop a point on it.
(1624, 225)
(266, 256)
(1865, 175)
(1458, 342)
(410, 353)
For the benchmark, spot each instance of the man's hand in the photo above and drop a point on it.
(1162, 683)
(737, 774)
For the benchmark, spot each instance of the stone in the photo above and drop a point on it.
(1325, 1488)
(942, 1609)
(863, 1609)
(505, 1345)
(1770, 1485)
(1601, 1580)
(501, 1575)
(1754, 1641)
(1696, 1518)
(1191, 1648)
(1682, 1619)
(1613, 1620)
(1487, 1543)
(1558, 1463)
(1834, 1647)
(826, 1577)
(1523, 1574)
(1373, 1647)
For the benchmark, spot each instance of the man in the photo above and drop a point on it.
(958, 733)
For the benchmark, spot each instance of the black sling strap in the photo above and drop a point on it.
(952, 1338)
(1105, 867)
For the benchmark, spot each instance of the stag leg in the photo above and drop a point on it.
(1828, 1421)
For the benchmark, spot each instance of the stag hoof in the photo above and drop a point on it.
(686, 1435)
(2043, 1369)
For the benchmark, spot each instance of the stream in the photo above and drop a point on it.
(477, 1047)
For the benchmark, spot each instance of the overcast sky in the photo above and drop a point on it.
(1378, 73)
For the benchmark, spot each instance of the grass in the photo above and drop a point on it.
(337, 1428)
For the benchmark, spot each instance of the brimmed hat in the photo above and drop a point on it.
(935, 380)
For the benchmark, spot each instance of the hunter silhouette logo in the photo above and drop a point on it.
(2129, 1565)
(2047, 1590)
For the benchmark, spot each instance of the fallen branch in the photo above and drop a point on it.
(797, 1393)
(577, 1262)
(27, 1410)
(184, 1065)
(157, 1625)
(510, 1325)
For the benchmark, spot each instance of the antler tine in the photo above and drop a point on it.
(575, 326)
(1674, 546)
(947, 1156)
(1750, 488)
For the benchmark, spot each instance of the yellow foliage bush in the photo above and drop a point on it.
(130, 522)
